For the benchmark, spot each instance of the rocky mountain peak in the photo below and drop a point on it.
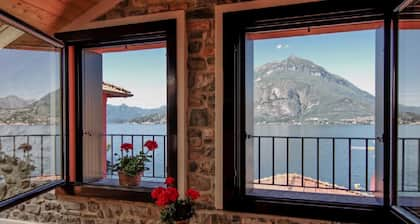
(299, 91)
(292, 64)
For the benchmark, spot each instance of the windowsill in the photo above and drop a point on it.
(114, 184)
(317, 195)
(110, 189)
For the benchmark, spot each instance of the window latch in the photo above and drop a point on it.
(248, 136)
(380, 138)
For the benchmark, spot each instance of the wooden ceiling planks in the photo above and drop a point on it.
(48, 16)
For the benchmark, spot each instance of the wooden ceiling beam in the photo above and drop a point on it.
(8, 34)
(59, 9)
(94, 12)
(35, 16)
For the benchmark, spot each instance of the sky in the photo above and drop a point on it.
(409, 68)
(143, 72)
(350, 55)
(28, 74)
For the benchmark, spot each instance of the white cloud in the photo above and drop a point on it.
(280, 46)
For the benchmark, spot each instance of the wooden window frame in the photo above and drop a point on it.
(403, 18)
(19, 198)
(147, 33)
(235, 27)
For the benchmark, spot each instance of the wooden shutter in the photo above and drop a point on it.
(92, 116)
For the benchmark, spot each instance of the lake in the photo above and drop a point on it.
(358, 153)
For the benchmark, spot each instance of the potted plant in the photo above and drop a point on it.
(131, 167)
(174, 209)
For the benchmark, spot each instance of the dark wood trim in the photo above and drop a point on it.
(22, 197)
(79, 114)
(172, 100)
(310, 14)
(64, 116)
(143, 33)
(235, 27)
(17, 23)
(401, 215)
(394, 114)
(118, 35)
(387, 109)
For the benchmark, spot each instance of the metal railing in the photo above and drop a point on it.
(157, 166)
(12, 145)
(309, 148)
(405, 159)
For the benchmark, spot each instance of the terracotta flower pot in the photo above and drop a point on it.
(129, 181)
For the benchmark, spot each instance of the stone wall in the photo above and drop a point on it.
(201, 114)
(201, 84)
(15, 175)
(47, 208)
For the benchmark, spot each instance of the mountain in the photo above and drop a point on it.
(14, 110)
(124, 113)
(297, 90)
(10, 102)
(156, 118)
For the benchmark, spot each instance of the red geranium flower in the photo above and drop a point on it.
(169, 181)
(126, 146)
(172, 194)
(165, 196)
(157, 192)
(151, 145)
(162, 200)
(193, 194)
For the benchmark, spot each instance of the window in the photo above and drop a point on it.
(304, 100)
(311, 117)
(31, 148)
(134, 111)
(407, 123)
(127, 94)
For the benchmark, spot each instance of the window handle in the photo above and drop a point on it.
(380, 138)
(247, 135)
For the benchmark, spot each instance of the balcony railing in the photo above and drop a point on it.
(42, 152)
(297, 151)
(158, 165)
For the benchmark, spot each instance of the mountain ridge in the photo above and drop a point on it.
(296, 90)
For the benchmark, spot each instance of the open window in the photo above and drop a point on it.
(31, 112)
(305, 100)
(125, 96)
(406, 117)
(131, 81)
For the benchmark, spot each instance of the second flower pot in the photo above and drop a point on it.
(129, 181)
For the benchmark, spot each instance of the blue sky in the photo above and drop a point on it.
(142, 72)
(28, 74)
(32, 74)
(409, 67)
(350, 55)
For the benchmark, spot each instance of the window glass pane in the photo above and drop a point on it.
(133, 97)
(30, 112)
(409, 117)
(311, 111)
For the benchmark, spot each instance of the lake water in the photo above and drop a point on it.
(358, 153)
